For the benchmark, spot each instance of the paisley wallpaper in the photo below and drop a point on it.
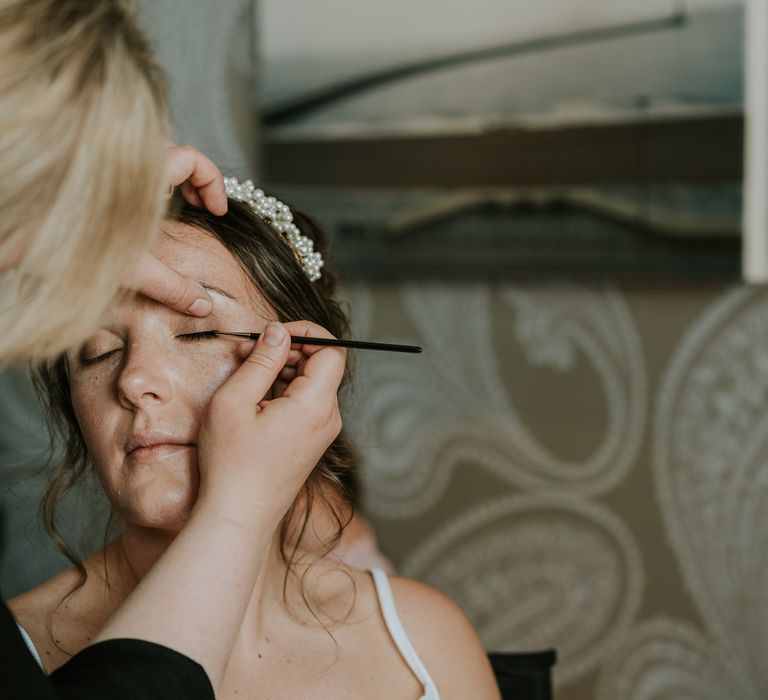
(581, 467)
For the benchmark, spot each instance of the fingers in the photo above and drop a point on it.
(202, 184)
(255, 377)
(307, 373)
(158, 281)
(307, 328)
(288, 373)
(320, 369)
(191, 195)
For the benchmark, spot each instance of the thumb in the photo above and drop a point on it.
(254, 378)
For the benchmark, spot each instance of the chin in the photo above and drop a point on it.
(167, 509)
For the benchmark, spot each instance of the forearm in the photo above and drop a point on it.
(195, 596)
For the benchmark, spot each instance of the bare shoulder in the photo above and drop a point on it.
(445, 640)
(49, 615)
(39, 603)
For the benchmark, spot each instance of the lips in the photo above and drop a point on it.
(155, 444)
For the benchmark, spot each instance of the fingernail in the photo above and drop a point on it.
(274, 334)
(200, 307)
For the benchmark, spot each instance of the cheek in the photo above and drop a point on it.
(99, 421)
(92, 410)
(205, 372)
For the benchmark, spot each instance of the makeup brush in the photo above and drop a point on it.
(306, 340)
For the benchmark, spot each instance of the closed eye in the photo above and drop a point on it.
(203, 335)
(88, 362)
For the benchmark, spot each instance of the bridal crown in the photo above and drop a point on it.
(277, 215)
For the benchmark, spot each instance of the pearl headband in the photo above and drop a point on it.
(277, 215)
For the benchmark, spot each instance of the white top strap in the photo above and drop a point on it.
(30, 645)
(399, 636)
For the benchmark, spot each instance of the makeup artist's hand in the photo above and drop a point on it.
(199, 180)
(255, 453)
(202, 184)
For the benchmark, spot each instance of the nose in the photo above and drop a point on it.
(144, 381)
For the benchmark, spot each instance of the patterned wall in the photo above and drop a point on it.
(582, 467)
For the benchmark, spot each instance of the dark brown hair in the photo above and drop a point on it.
(271, 265)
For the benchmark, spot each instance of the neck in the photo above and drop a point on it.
(137, 549)
(278, 607)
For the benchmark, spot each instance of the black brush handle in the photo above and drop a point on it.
(334, 342)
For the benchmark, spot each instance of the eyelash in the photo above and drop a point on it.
(197, 335)
(99, 358)
(187, 337)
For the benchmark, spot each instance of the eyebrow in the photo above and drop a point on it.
(218, 290)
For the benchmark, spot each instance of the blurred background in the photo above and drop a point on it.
(548, 197)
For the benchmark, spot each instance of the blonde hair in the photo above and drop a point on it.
(83, 133)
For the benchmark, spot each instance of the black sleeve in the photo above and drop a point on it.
(22, 678)
(119, 669)
(131, 669)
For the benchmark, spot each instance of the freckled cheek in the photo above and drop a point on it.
(210, 372)
(95, 416)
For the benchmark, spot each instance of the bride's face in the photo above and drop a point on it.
(140, 392)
